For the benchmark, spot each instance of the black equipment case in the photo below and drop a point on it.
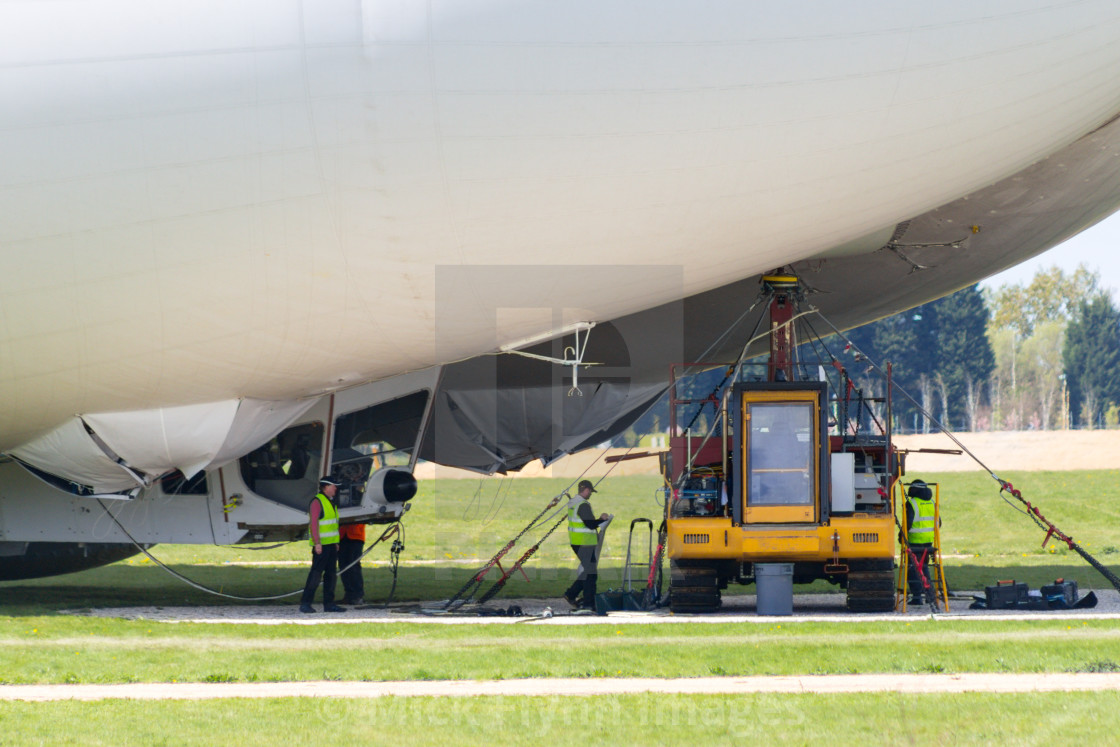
(1061, 591)
(1006, 594)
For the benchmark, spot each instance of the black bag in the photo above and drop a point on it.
(1060, 594)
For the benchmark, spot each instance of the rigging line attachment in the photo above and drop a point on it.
(461, 596)
(1005, 486)
(577, 352)
(1053, 531)
(520, 562)
(914, 266)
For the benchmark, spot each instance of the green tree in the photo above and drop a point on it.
(1027, 381)
(1006, 394)
(964, 354)
(942, 357)
(1052, 295)
(1091, 355)
(908, 340)
(1040, 370)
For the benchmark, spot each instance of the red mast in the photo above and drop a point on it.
(782, 338)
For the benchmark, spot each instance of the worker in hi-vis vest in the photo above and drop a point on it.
(920, 514)
(584, 538)
(323, 526)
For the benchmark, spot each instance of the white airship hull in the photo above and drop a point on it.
(206, 203)
(248, 199)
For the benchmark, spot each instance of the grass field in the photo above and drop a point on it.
(802, 719)
(71, 650)
(454, 527)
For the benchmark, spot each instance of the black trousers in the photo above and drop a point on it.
(921, 553)
(588, 574)
(588, 559)
(349, 550)
(323, 566)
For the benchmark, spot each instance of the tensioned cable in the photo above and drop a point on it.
(183, 578)
(1036, 516)
(540, 519)
(202, 587)
(906, 394)
(727, 392)
(535, 522)
(817, 337)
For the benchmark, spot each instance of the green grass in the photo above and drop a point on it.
(60, 650)
(977, 521)
(801, 719)
(38, 644)
(468, 521)
(456, 525)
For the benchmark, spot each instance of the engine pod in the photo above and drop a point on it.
(390, 485)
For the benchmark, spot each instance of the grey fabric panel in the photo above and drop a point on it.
(502, 429)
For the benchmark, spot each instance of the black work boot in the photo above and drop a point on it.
(571, 596)
(589, 591)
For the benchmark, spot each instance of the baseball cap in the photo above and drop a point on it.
(587, 484)
(918, 489)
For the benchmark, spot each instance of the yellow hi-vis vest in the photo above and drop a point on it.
(921, 530)
(328, 523)
(578, 532)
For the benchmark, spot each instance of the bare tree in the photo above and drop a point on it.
(993, 396)
(1090, 404)
(873, 389)
(925, 388)
(973, 390)
(944, 392)
(1047, 394)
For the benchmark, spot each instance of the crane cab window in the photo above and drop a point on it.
(779, 460)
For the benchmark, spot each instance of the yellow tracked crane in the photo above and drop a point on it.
(780, 480)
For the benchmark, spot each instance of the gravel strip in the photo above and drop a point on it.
(740, 608)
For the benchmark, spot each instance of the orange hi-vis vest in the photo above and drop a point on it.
(353, 532)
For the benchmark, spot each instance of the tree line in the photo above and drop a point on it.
(1037, 355)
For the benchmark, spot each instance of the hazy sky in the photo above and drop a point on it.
(1098, 248)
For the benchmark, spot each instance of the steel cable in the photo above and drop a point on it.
(1036, 516)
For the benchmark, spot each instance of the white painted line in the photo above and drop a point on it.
(840, 683)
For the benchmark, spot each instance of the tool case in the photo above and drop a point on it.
(1006, 594)
(1061, 592)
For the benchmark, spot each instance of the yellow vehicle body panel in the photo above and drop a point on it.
(857, 536)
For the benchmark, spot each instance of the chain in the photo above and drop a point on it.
(1053, 531)
(520, 562)
(476, 580)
